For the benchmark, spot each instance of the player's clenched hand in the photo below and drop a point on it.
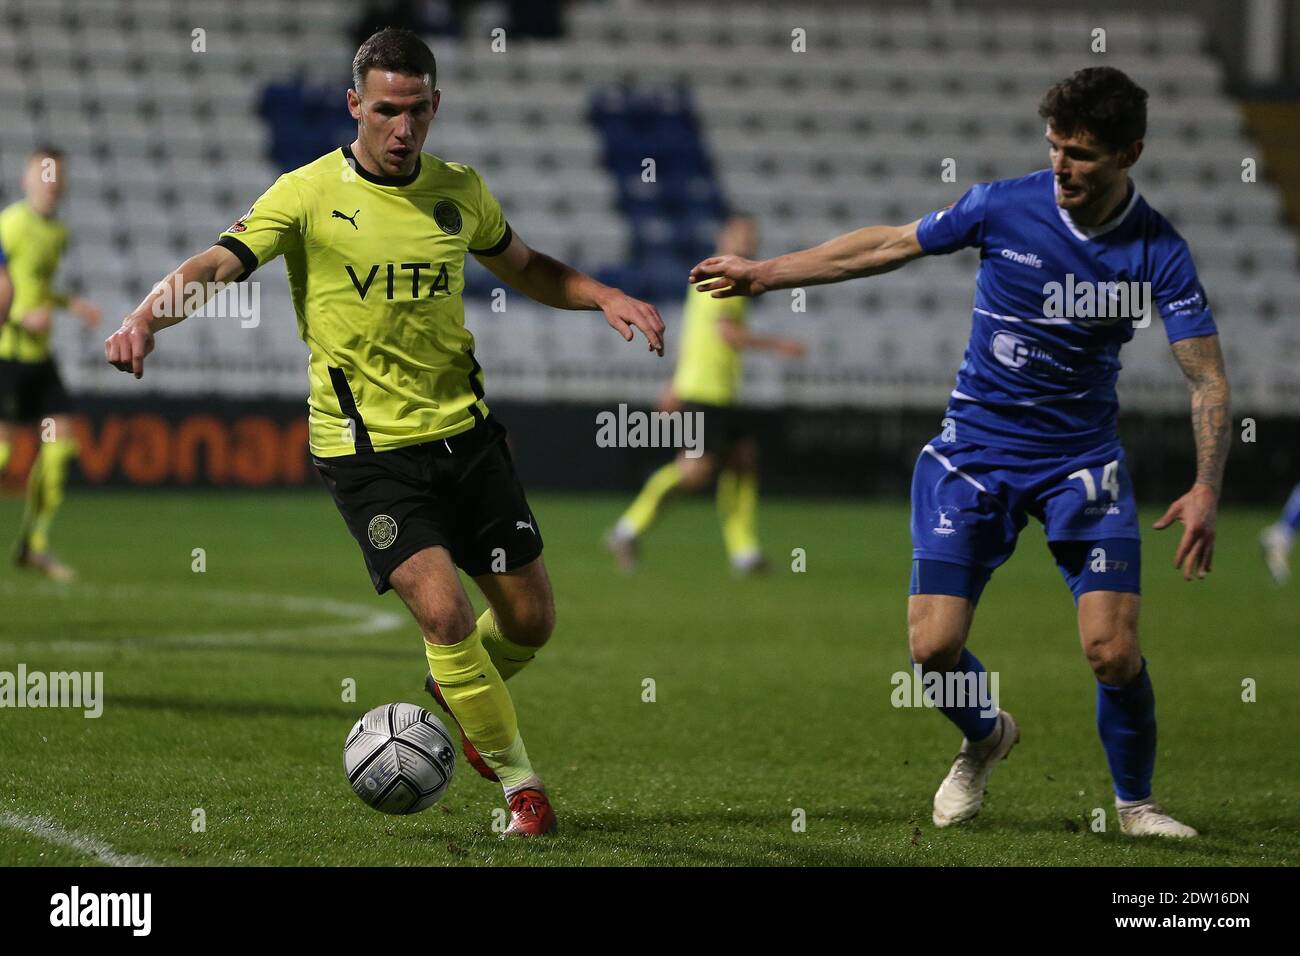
(726, 276)
(126, 348)
(622, 312)
(1197, 510)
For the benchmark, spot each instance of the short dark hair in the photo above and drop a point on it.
(1100, 100)
(394, 50)
(46, 150)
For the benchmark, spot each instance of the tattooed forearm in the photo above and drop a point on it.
(1213, 430)
(1202, 363)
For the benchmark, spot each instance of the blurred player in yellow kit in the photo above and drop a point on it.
(31, 391)
(708, 382)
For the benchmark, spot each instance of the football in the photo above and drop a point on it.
(399, 758)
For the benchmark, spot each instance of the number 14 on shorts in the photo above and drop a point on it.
(1109, 480)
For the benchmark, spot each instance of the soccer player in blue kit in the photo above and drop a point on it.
(1072, 261)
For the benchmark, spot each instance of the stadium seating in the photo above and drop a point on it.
(169, 145)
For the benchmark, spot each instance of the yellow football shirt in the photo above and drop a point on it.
(34, 245)
(708, 368)
(376, 269)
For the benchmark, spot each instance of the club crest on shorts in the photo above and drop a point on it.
(447, 216)
(382, 531)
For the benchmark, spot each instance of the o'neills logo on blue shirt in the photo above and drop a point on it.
(1024, 258)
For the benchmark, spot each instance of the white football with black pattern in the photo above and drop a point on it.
(399, 758)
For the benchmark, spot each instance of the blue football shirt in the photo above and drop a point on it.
(1054, 302)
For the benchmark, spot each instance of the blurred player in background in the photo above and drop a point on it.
(31, 391)
(6, 300)
(707, 381)
(1031, 428)
(1277, 539)
(374, 236)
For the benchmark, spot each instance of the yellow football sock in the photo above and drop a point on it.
(45, 491)
(641, 514)
(512, 766)
(508, 657)
(738, 511)
(6, 449)
(478, 698)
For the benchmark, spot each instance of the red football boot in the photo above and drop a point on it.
(473, 756)
(530, 814)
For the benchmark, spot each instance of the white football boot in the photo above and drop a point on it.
(1276, 545)
(623, 545)
(1147, 819)
(961, 794)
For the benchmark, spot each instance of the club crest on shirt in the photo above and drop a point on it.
(240, 225)
(382, 531)
(447, 216)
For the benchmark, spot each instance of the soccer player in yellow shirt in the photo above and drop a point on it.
(374, 237)
(31, 391)
(6, 300)
(708, 382)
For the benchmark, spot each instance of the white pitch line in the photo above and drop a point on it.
(363, 619)
(51, 832)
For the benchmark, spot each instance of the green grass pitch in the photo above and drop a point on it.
(223, 691)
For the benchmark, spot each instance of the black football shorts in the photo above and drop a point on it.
(461, 493)
(30, 391)
(724, 425)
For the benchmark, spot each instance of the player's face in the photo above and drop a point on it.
(1087, 172)
(43, 182)
(393, 113)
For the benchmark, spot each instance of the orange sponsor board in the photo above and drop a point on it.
(140, 448)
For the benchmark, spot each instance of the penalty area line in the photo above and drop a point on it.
(51, 832)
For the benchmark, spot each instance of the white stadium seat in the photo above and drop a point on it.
(852, 132)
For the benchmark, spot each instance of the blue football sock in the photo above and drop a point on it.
(1291, 513)
(973, 724)
(1126, 721)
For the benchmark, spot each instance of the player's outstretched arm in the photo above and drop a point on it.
(87, 310)
(740, 338)
(1201, 360)
(84, 309)
(561, 286)
(6, 294)
(38, 320)
(167, 304)
(864, 252)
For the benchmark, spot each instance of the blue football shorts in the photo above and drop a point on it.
(970, 502)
